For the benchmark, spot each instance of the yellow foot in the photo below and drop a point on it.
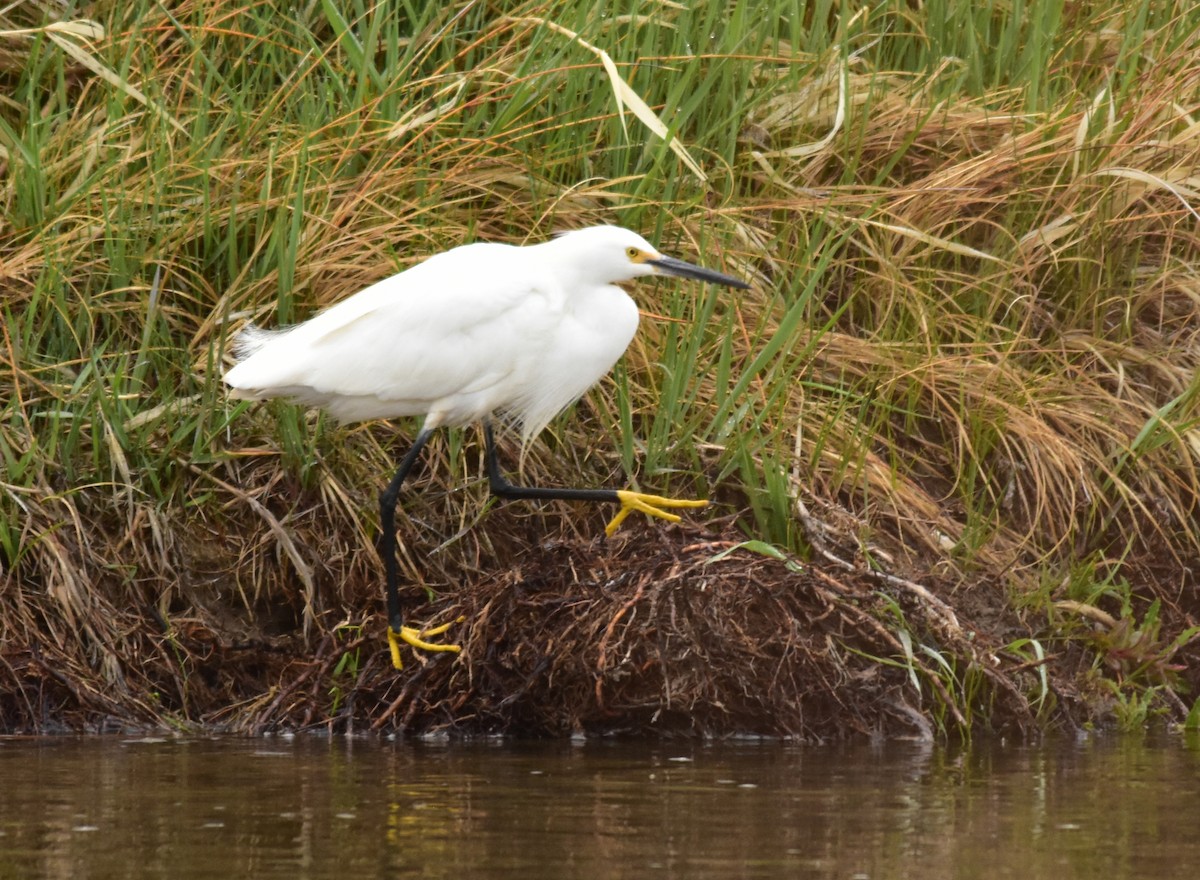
(651, 505)
(416, 638)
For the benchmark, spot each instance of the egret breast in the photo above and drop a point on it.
(592, 333)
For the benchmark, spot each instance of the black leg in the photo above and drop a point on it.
(651, 505)
(387, 528)
(397, 631)
(502, 487)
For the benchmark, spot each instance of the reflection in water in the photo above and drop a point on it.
(334, 808)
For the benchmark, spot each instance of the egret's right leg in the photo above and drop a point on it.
(397, 631)
(630, 501)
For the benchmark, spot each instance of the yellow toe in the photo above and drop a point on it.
(416, 638)
(651, 505)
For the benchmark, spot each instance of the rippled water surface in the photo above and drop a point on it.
(309, 807)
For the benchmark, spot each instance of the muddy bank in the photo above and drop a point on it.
(665, 630)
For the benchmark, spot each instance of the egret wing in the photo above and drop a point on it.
(448, 333)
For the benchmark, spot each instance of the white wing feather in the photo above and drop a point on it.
(448, 337)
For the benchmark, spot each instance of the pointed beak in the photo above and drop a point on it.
(682, 269)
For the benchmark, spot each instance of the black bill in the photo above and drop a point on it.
(683, 269)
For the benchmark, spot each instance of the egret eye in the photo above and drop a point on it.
(632, 252)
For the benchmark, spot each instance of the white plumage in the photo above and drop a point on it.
(480, 329)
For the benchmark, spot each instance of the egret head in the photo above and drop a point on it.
(609, 253)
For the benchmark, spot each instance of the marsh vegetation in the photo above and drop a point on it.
(950, 434)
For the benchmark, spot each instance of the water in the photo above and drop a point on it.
(304, 807)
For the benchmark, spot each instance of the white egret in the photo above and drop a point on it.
(479, 331)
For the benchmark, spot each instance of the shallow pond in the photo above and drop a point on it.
(313, 807)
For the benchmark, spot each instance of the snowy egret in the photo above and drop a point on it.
(478, 331)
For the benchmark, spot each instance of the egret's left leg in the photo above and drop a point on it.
(651, 505)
